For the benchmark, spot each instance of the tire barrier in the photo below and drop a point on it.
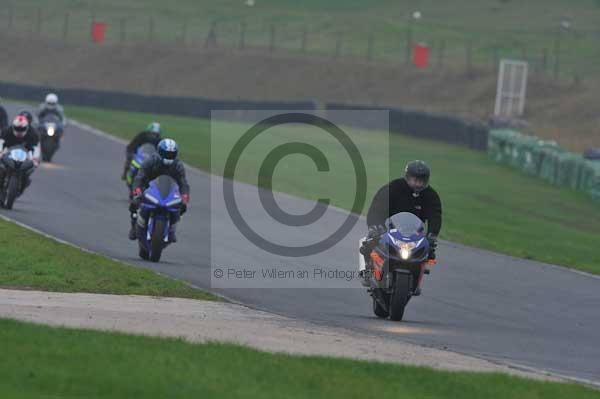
(545, 159)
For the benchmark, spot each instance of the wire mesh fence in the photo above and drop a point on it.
(556, 52)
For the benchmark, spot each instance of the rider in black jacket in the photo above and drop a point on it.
(410, 193)
(20, 133)
(163, 163)
(150, 135)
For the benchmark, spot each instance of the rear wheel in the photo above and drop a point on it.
(400, 295)
(12, 191)
(157, 242)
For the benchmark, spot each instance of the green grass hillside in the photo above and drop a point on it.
(505, 27)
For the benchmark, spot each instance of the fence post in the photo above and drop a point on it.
(557, 55)
(469, 56)
(151, 29)
(304, 38)
(122, 30)
(38, 23)
(272, 39)
(441, 51)
(93, 12)
(338, 44)
(211, 38)
(370, 42)
(544, 60)
(408, 43)
(242, 35)
(10, 16)
(495, 58)
(524, 54)
(184, 28)
(66, 27)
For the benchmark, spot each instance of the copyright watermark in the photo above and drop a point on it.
(286, 174)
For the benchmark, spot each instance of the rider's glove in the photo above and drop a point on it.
(376, 230)
(137, 195)
(133, 207)
(432, 238)
(185, 199)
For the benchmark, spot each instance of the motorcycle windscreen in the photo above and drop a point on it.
(406, 223)
(51, 118)
(165, 185)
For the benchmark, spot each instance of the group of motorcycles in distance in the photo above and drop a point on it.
(392, 270)
(19, 164)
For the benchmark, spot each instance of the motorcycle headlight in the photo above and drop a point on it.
(151, 198)
(405, 253)
(406, 250)
(174, 202)
(50, 131)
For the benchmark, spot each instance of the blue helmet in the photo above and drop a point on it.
(167, 150)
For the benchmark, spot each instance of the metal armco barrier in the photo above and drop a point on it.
(424, 125)
(419, 124)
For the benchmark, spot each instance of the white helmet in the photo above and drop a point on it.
(51, 100)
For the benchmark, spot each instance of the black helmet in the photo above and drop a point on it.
(417, 175)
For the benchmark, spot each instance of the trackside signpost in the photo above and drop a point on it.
(511, 89)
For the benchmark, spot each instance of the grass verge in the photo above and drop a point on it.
(32, 261)
(485, 205)
(62, 362)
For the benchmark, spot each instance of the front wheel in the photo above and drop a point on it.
(400, 295)
(12, 191)
(157, 242)
(48, 150)
(143, 253)
(379, 310)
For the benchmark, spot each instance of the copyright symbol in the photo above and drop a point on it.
(266, 173)
(218, 273)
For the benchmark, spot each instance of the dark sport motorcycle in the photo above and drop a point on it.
(51, 131)
(395, 264)
(161, 202)
(18, 167)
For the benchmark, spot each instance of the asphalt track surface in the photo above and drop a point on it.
(476, 302)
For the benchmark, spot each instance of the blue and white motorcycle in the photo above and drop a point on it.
(161, 203)
(17, 167)
(394, 264)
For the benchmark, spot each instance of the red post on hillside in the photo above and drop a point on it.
(420, 55)
(98, 32)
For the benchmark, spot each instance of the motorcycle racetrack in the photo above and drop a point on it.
(475, 302)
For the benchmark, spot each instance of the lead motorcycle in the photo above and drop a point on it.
(51, 131)
(161, 203)
(394, 264)
(18, 167)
